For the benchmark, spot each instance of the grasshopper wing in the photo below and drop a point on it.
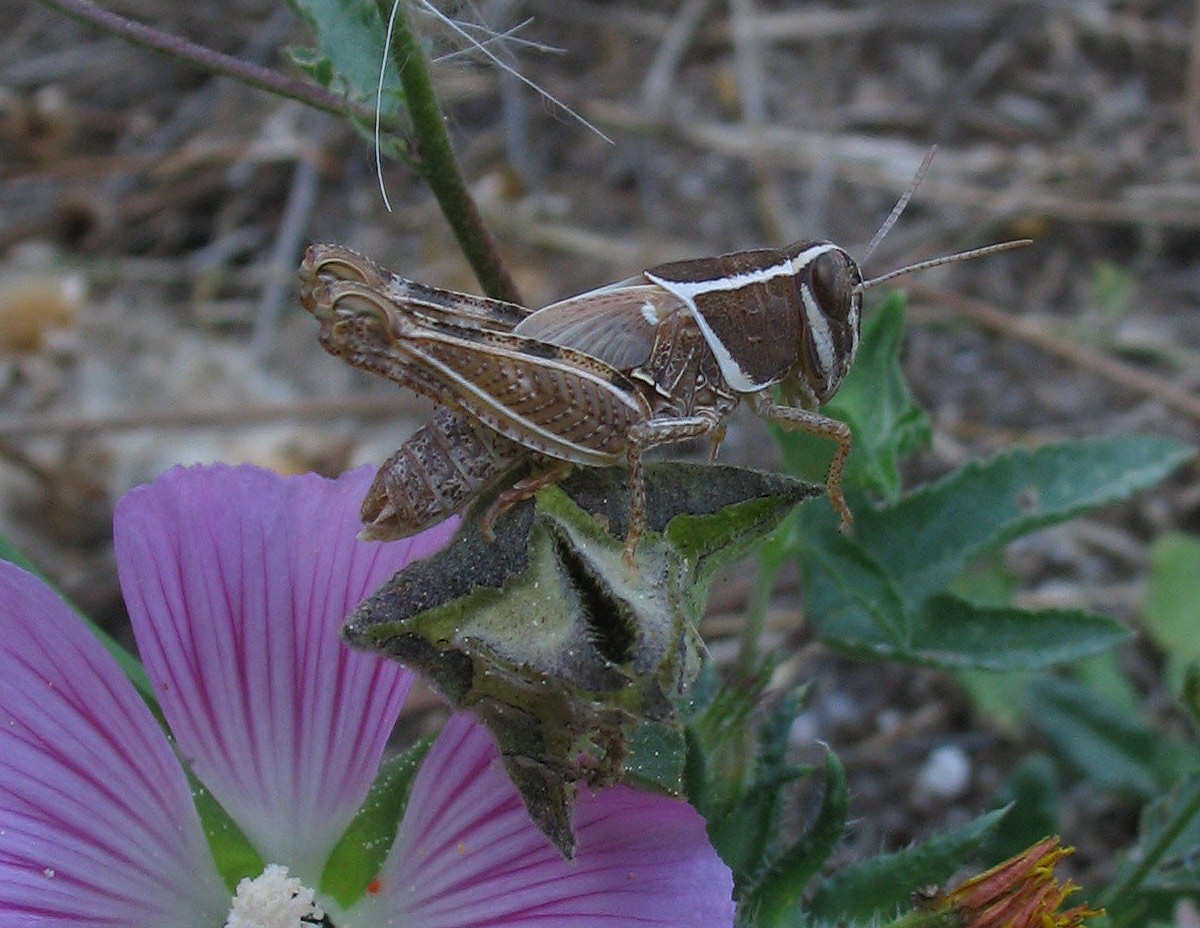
(617, 326)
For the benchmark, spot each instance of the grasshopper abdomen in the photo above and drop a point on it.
(437, 472)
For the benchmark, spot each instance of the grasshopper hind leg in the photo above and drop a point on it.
(519, 491)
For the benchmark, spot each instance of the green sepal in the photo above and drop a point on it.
(657, 756)
(234, 855)
(552, 640)
(360, 852)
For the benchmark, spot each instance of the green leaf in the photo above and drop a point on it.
(232, 851)
(736, 771)
(850, 600)
(932, 534)
(722, 740)
(657, 756)
(1103, 743)
(997, 696)
(951, 632)
(875, 402)
(742, 835)
(130, 665)
(1170, 828)
(747, 828)
(1160, 870)
(1171, 613)
(349, 36)
(361, 850)
(775, 897)
(1190, 695)
(883, 884)
(1103, 674)
(856, 607)
(1031, 794)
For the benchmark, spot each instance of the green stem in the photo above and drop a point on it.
(244, 72)
(1123, 891)
(756, 616)
(435, 158)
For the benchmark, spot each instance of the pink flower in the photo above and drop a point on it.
(236, 582)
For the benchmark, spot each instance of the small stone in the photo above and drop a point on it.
(946, 773)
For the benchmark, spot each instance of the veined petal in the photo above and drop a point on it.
(237, 581)
(97, 824)
(468, 856)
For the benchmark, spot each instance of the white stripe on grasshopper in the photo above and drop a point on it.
(687, 291)
(818, 331)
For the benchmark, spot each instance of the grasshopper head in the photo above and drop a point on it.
(830, 301)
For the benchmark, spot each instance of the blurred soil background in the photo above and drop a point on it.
(152, 218)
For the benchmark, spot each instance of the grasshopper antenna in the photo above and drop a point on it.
(932, 262)
(900, 205)
(945, 259)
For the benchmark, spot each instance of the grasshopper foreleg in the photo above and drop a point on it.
(794, 417)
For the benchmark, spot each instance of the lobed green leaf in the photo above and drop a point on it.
(927, 538)
(1171, 613)
(951, 632)
(350, 50)
(775, 896)
(882, 885)
(1103, 743)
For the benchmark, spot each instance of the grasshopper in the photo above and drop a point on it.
(597, 379)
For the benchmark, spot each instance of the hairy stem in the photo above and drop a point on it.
(216, 62)
(1124, 892)
(434, 159)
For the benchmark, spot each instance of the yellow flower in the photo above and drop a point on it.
(1021, 892)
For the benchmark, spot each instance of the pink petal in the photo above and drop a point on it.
(97, 824)
(467, 854)
(237, 581)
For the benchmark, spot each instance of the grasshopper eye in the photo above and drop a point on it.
(833, 277)
(832, 303)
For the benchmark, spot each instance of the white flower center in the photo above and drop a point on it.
(273, 900)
